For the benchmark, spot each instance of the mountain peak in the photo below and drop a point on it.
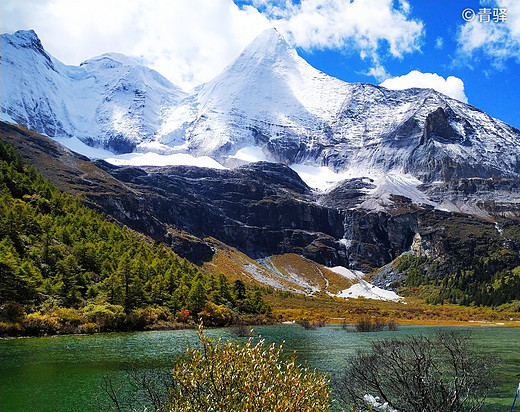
(29, 35)
(268, 44)
(26, 39)
(270, 35)
(112, 59)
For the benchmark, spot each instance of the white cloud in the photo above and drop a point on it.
(378, 72)
(496, 41)
(365, 25)
(189, 42)
(373, 28)
(452, 86)
(439, 43)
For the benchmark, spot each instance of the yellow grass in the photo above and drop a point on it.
(236, 265)
(288, 307)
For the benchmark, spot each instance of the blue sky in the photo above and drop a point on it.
(371, 41)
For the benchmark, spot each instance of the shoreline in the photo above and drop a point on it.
(433, 322)
(408, 322)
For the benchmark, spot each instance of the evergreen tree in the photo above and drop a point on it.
(196, 298)
(67, 276)
(223, 288)
(9, 262)
(239, 289)
(54, 253)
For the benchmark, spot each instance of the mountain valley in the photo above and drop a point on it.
(419, 180)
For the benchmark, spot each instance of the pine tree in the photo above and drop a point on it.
(239, 289)
(197, 297)
(223, 287)
(9, 261)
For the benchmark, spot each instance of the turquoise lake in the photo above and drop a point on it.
(63, 373)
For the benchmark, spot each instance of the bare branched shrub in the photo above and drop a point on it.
(369, 325)
(393, 326)
(366, 325)
(306, 324)
(138, 390)
(418, 374)
(241, 330)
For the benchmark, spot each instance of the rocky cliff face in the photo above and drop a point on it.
(265, 209)
(262, 209)
(498, 197)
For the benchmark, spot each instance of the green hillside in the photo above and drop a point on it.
(65, 268)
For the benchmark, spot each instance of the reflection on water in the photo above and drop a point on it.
(63, 373)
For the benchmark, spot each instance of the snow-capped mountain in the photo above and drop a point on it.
(267, 97)
(269, 101)
(110, 101)
(271, 98)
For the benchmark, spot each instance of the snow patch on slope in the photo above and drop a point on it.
(250, 154)
(323, 178)
(347, 273)
(362, 288)
(76, 145)
(366, 290)
(4, 117)
(290, 276)
(318, 177)
(395, 184)
(149, 158)
(259, 275)
(469, 208)
(154, 159)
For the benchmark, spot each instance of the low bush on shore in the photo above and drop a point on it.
(371, 325)
(97, 318)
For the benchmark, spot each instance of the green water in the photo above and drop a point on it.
(62, 373)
